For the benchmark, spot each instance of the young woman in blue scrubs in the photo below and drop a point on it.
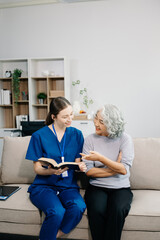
(55, 192)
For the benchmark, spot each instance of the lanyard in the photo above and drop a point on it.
(61, 149)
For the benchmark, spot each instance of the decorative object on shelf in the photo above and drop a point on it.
(83, 92)
(24, 95)
(45, 73)
(41, 97)
(8, 74)
(52, 73)
(16, 82)
(76, 107)
(86, 100)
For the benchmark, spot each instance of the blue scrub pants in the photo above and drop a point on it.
(63, 209)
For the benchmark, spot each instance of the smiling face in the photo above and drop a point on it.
(64, 117)
(100, 128)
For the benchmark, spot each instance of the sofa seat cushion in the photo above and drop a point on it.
(18, 208)
(145, 211)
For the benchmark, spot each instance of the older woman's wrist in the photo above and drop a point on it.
(102, 159)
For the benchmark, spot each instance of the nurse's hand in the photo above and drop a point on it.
(57, 171)
(41, 170)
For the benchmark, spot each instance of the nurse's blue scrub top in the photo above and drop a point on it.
(44, 143)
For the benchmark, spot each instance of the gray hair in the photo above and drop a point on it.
(113, 120)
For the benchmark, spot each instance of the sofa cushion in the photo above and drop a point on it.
(140, 235)
(15, 169)
(146, 164)
(20, 229)
(19, 209)
(145, 211)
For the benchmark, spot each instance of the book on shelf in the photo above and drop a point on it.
(1, 96)
(5, 97)
(55, 165)
(7, 191)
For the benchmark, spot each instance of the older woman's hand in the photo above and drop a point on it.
(82, 166)
(93, 156)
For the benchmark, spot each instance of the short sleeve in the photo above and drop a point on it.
(88, 146)
(80, 144)
(34, 151)
(127, 148)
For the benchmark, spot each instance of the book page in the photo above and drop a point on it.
(48, 160)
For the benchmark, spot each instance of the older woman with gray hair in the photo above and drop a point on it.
(108, 154)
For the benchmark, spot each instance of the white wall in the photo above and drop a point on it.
(113, 47)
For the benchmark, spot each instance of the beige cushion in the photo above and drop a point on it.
(20, 229)
(78, 234)
(145, 211)
(140, 235)
(145, 172)
(19, 209)
(15, 168)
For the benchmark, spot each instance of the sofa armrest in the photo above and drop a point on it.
(0, 176)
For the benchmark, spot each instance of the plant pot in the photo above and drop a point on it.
(41, 101)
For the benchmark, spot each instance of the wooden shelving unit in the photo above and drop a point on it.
(8, 112)
(32, 82)
(52, 84)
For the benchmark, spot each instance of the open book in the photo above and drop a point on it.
(53, 163)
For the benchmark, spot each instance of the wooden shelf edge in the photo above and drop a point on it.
(80, 117)
(5, 79)
(23, 78)
(22, 101)
(39, 78)
(6, 105)
(40, 105)
(10, 78)
(49, 77)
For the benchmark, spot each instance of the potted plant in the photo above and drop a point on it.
(41, 97)
(16, 82)
(84, 93)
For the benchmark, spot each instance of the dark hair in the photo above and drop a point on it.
(57, 104)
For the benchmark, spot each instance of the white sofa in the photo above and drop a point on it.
(19, 216)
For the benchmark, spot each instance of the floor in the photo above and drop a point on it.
(16, 237)
(19, 237)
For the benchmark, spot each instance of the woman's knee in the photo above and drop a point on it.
(96, 210)
(79, 206)
(56, 213)
(121, 210)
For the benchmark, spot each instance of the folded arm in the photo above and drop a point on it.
(117, 166)
(100, 172)
(113, 167)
